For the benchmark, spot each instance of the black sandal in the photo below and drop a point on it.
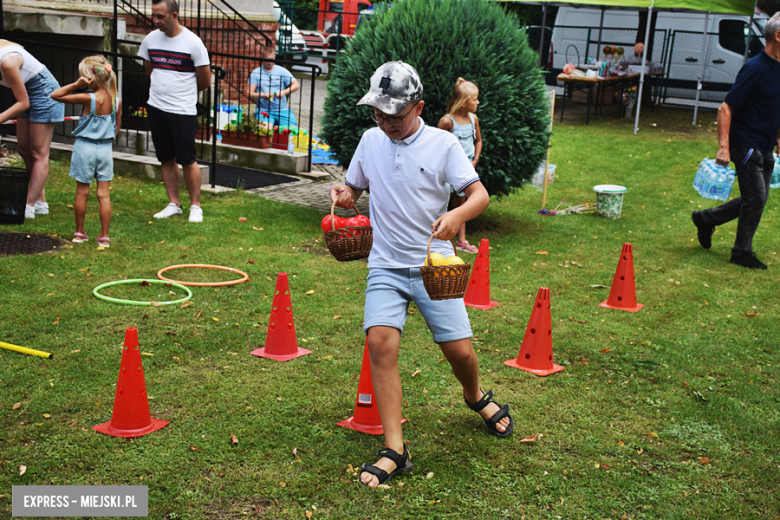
(402, 465)
(491, 423)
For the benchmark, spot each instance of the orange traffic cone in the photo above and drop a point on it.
(478, 289)
(622, 295)
(281, 343)
(366, 416)
(131, 417)
(536, 352)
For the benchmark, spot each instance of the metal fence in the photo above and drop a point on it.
(229, 88)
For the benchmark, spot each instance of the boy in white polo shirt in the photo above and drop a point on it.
(409, 167)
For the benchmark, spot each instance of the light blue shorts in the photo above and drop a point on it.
(43, 109)
(388, 295)
(281, 118)
(92, 160)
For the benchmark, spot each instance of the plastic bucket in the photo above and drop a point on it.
(13, 196)
(609, 200)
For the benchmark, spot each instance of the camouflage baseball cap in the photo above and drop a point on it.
(393, 86)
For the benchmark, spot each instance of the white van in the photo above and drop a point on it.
(289, 41)
(678, 45)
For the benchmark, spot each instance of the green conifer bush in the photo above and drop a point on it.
(444, 40)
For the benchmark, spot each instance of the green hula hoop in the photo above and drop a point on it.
(132, 302)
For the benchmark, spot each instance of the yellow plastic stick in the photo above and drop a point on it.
(25, 350)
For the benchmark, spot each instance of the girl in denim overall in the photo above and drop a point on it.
(92, 152)
(461, 119)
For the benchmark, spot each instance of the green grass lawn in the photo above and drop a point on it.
(668, 413)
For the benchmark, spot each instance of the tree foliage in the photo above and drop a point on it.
(444, 40)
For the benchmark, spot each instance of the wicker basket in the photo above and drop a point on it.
(351, 242)
(445, 282)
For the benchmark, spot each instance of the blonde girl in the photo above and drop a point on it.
(35, 113)
(461, 119)
(92, 152)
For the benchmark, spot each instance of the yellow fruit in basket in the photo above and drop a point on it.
(436, 259)
(454, 260)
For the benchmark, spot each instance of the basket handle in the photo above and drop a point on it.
(333, 216)
(428, 254)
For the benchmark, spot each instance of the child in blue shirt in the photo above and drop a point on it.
(269, 86)
(92, 152)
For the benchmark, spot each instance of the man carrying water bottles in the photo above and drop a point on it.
(748, 130)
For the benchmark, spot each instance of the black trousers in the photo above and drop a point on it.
(753, 180)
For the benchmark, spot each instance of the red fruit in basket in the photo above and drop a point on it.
(276, 129)
(286, 131)
(325, 224)
(362, 220)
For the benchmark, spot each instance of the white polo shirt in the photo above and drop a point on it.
(410, 183)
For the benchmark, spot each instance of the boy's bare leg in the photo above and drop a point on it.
(465, 366)
(383, 346)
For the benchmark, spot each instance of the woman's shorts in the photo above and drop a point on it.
(43, 109)
(92, 160)
(388, 295)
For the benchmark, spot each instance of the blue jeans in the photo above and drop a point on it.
(753, 180)
(43, 109)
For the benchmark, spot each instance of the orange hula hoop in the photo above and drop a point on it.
(203, 284)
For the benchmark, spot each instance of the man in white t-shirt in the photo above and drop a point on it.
(409, 168)
(177, 63)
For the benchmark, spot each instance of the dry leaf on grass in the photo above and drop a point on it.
(234, 230)
(198, 315)
(308, 515)
(531, 438)
(144, 284)
(242, 219)
(56, 321)
(215, 319)
(310, 292)
(605, 350)
(653, 435)
(751, 314)
(257, 228)
(193, 448)
(16, 406)
(283, 484)
(156, 304)
(250, 261)
(22, 470)
(416, 372)
(185, 304)
(233, 439)
(337, 316)
(703, 460)
(542, 252)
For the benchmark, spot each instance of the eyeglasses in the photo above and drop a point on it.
(394, 121)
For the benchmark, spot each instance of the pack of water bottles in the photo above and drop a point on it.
(713, 181)
(774, 182)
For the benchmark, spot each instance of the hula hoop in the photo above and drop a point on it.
(133, 302)
(203, 284)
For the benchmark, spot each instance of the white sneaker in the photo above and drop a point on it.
(41, 208)
(196, 214)
(29, 212)
(169, 211)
